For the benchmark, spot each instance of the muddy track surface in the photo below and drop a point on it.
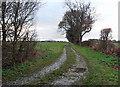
(75, 73)
(41, 73)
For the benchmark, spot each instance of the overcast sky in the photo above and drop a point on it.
(49, 15)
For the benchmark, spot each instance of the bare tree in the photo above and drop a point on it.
(78, 20)
(105, 37)
(16, 21)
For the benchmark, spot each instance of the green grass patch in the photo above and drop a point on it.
(71, 59)
(97, 62)
(117, 44)
(52, 51)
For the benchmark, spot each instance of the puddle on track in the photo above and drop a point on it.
(74, 74)
(41, 73)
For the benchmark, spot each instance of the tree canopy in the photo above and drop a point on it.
(77, 21)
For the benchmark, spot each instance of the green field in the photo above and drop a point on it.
(47, 53)
(117, 44)
(97, 62)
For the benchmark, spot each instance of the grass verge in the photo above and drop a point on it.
(51, 50)
(97, 62)
(71, 59)
(117, 44)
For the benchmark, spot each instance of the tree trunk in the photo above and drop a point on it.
(3, 20)
(80, 40)
(3, 31)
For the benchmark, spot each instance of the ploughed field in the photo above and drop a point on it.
(62, 63)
